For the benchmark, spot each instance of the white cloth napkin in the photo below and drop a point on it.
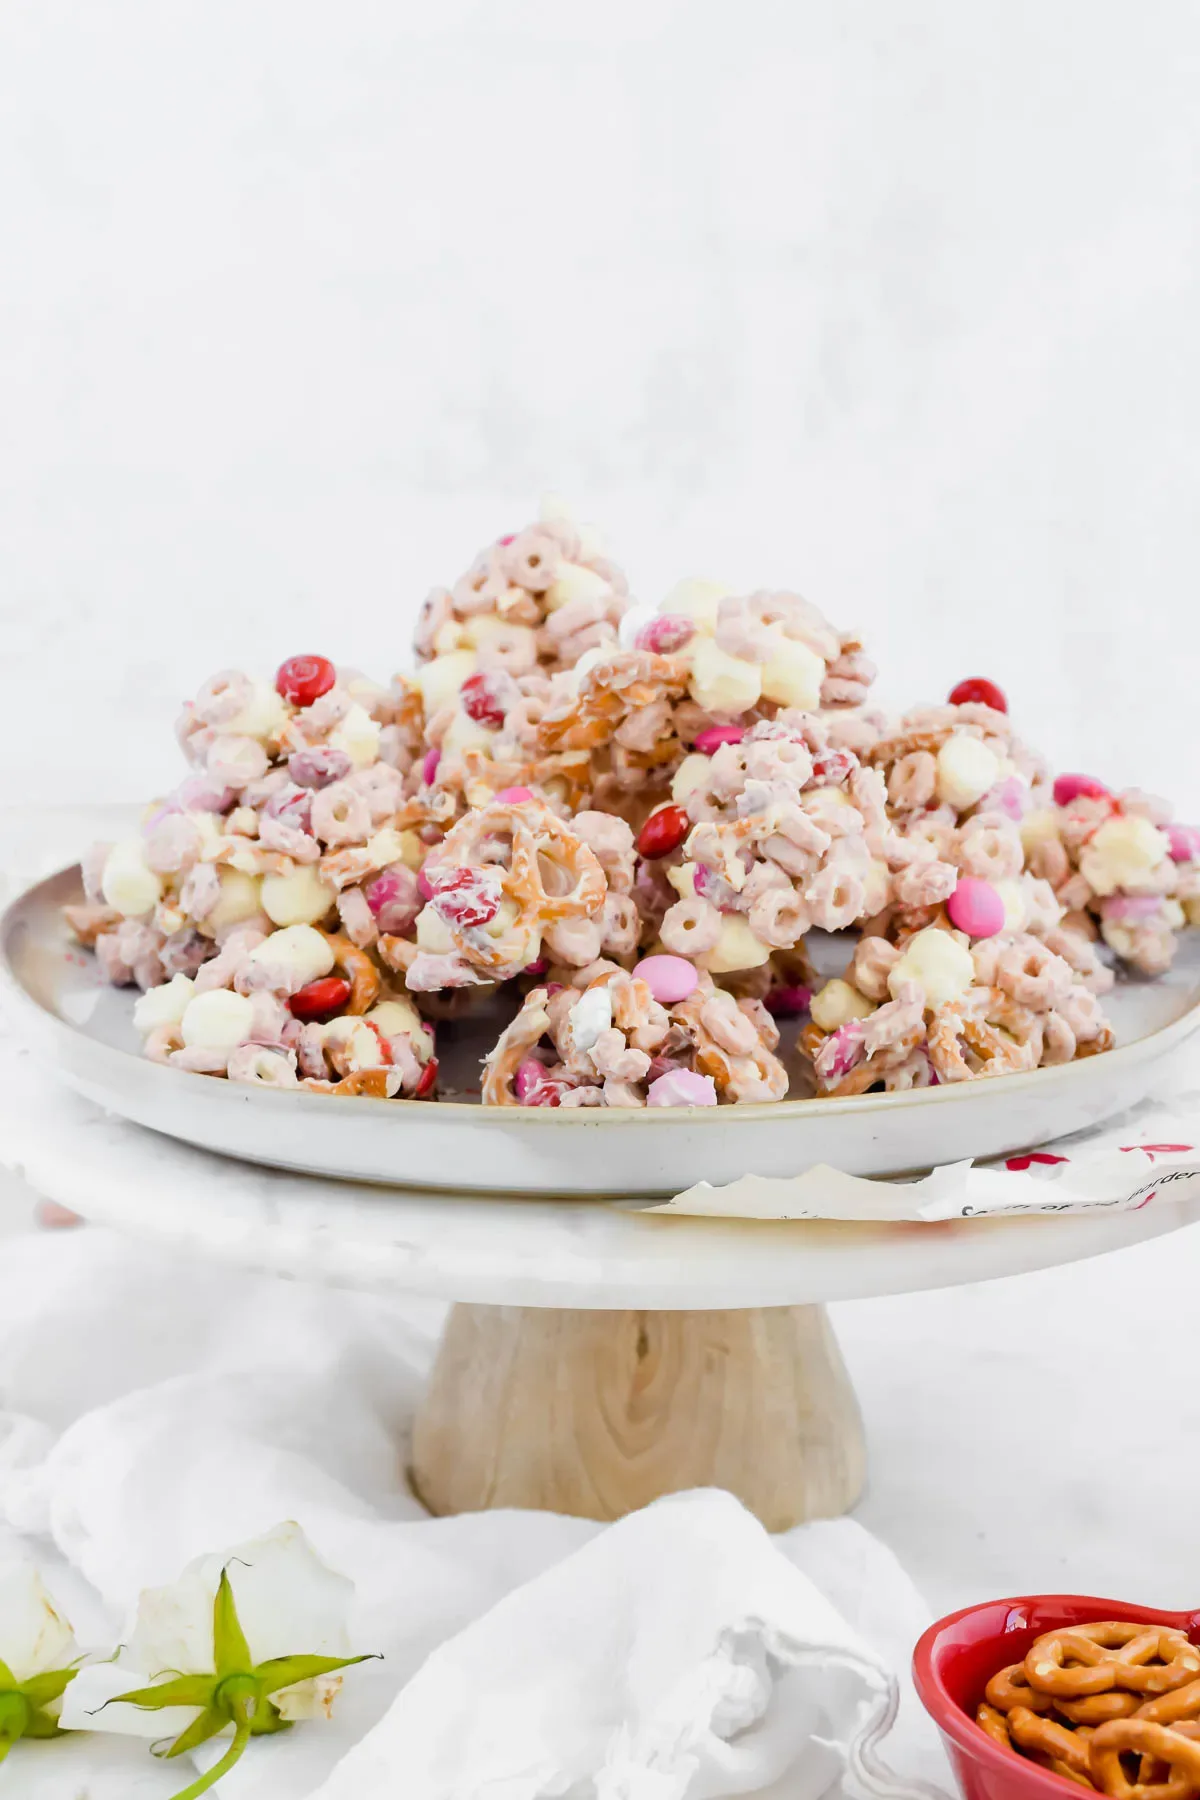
(156, 1409)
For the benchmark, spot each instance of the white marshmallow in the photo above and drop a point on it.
(1040, 827)
(838, 1003)
(1123, 854)
(357, 1043)
(387, 846)
(300, 898)
(721, 683)
(433, 933)
(736, 948)
(297, 948)
(440, 680)
(163, 1005)
(238, 900)
(691, 774)
(793, 676)
(358, 735)
(698, 601)
(938, 963)
(485, 629)
(591, 1014)
(1016, 910)
(683, 878)
(574, 582)
(128, 884)
(397, 1016)
(217, 1020)
(465, 733)
(448, 637)
(966, 769)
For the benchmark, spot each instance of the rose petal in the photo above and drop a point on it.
(34, 1636)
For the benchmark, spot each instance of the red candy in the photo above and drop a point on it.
(833, 767)
(428, 1079)
(1079, 787)
(481, 701)
(303, 679)
(976, 691)
(663, 831)
(710, 741)
(320, 999)
(464, 898)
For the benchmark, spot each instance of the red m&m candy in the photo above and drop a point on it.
(663, 831)
(976, 691)
(320, 999)
(303, 679)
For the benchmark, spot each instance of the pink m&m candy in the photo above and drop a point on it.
(710, 741)
(682, 1087)
(976, 908)
(1185, 842)
(1078, 787)
(511, 796)
(669, 978)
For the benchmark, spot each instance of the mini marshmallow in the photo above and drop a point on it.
(440, 680)
(298, 949)
(1040, 827)
(238, 900)
(398, 1017)
(698, 601)
(433, 934)
(163, 1005)
(792, 676)
(692, 773)
(128, 884)
(300, 898)
(574, 582)
(358, 735)
(218, 1020)
(1123, 854)
(1012, 898)
(966, 769)
(721, 683)
(838, 1003)
(483, 630)
(938, 963)
(683, 877)
(355, 1045)
(736, 948)
(387, 846)
(591, 1014)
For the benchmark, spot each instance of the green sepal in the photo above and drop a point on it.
(286, 1671)
(267, 1720)
(39, 1690)
(41, 1725)
(7, 1678)
(204, 1726)
(184, 1690)
(231, 1652)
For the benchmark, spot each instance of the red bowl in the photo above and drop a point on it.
(956, 1658)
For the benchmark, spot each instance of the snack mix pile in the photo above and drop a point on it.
(632, 840)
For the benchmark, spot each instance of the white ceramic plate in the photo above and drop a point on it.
(83, 1030)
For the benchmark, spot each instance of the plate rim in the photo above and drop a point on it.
(853, 1106)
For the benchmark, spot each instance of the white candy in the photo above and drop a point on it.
(297, 948)
(263, 715)
(698, 601)
(128, 884)
(358, 735)
(300, 898)
(218, 1020)
(736, 948)
(574, 582)
(1123, 854)
(440, 680)
(238, 900)
(838, 1003)
(793, 676)
(938, 963)
(691, 774)
(591, 1014)
(721, 683)
(966, 769)
(163, 1005)
(1016, 910)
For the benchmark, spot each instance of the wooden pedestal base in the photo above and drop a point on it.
(597, 1413)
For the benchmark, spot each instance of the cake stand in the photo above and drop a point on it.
(598, 1355)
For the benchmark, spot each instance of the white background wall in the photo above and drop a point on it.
(897, 301)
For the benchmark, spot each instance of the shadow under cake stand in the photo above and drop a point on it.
(597, 1355)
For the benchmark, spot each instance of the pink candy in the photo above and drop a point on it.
(1185, 842)
(1129, 908)
(424, 885)
(976, 908)
(682, 1087)
(395, 899)
(429, 767)
(529, 1074)
(1077, 787)
(708, 742)
(664, 635)
(669, 978)
(513, 796)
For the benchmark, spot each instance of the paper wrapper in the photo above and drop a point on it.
(1149, 1157)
